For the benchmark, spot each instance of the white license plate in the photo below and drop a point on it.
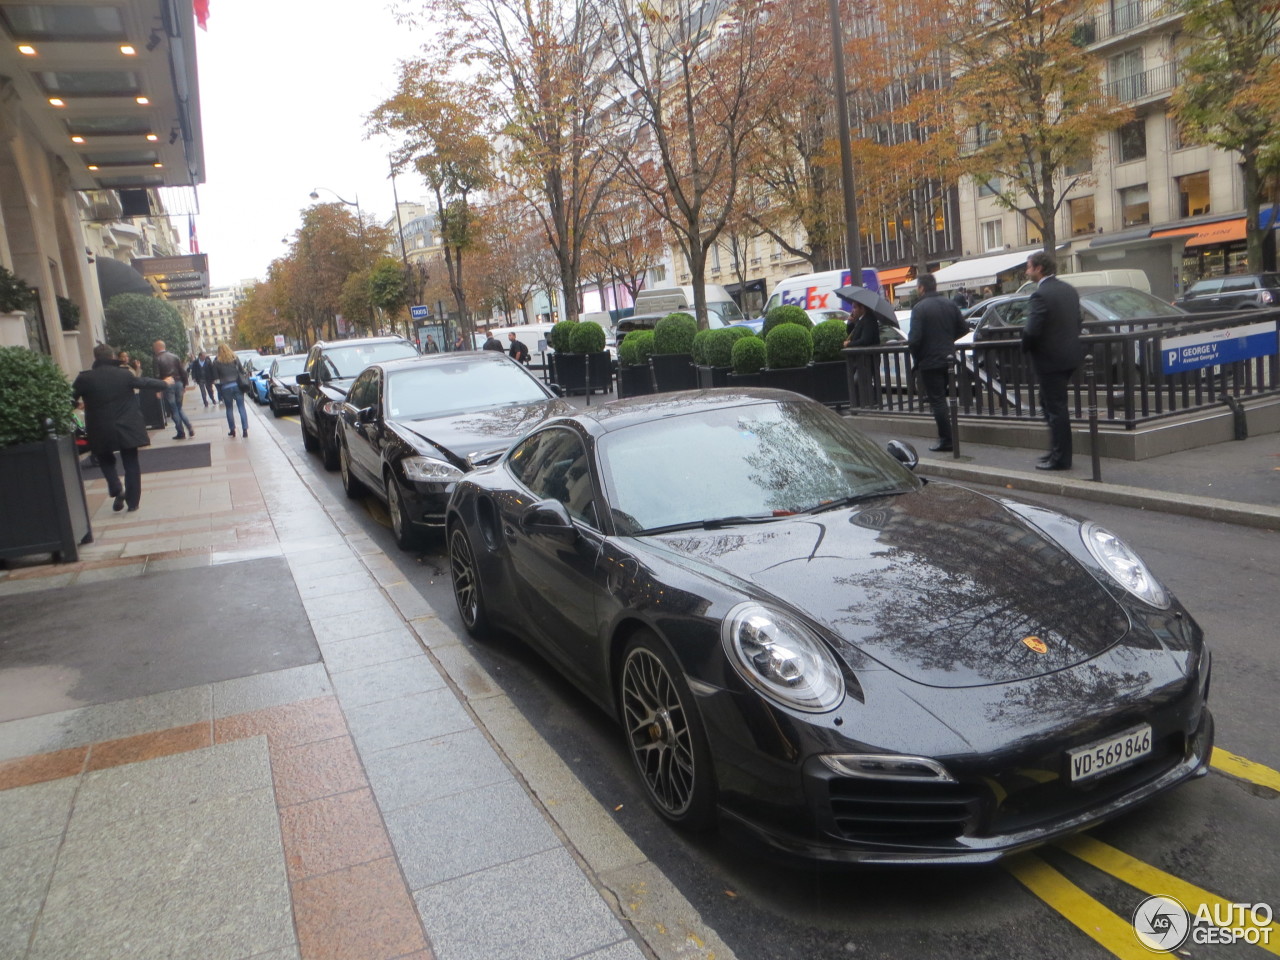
(1104, 756)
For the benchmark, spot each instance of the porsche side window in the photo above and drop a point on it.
(558, 470)
(522, 458)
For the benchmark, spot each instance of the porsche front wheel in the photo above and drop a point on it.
(466, 584)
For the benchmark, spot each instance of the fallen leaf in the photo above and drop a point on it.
(617, 808)
(730, 893)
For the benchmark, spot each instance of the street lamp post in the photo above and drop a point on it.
(364, 248)
(851, 239)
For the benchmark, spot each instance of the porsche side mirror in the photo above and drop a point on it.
(551, 519)
(903, 452)
(367, 414)
(302, 379)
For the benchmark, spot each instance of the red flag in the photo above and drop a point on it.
(192, 242)
(201, 8)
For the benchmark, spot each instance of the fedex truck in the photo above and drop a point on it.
(817, 291)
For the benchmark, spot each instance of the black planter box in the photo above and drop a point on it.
(42, 503)
(673, 371)
(712, 376)
(153, 409)
(831, 383)
(795, 379)
(743, 380)
(634, 381)
(571, 370)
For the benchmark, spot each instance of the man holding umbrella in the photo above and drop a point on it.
(936, 325)
(869, 312)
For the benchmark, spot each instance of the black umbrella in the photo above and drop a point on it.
(872, 301)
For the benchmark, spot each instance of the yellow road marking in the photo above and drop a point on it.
(1113, 933)
(1237, 766)
(1151, 879)
(373, 506)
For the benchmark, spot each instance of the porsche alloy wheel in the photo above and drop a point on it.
(466, 584)
(665, 735)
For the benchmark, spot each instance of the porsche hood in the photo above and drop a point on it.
(946, 587)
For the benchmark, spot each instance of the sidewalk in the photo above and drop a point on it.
(233, 730)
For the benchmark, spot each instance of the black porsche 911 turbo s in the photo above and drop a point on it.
(800, 636)
(408, 430)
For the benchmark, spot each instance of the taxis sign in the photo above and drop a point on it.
(1215, 347)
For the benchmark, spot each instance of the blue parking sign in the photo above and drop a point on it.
(419, 312)
(1216, 347)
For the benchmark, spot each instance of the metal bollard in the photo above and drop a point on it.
(953, 411)
(1091, 381)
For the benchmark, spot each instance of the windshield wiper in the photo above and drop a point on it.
(852, 499)
(716, 524)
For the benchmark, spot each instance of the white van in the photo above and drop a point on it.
(817, 291)
(1102, 278)
(722, 311)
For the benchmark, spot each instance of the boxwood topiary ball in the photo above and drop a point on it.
(720, 345)
(586, 337)
(560, 334)
(787, 313)
(699, 348)
(828, 340)
(643, 340)
(788, 345)
(748, 355)
(674, 333)
(627, 350)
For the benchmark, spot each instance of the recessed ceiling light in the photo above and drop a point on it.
(56, 102)
(128, 51)
(152, 137)
(157, 165)
(142, 100)
(93, 166)
(26, 50)
(77, 139)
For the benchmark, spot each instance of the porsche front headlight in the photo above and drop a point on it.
(429, 470)
(782, 658)
(1124, 565)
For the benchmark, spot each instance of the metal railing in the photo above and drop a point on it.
(993, 379)
(1155, 82)
(1123, 18)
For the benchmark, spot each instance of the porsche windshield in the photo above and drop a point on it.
(436, 389)
(751, 461)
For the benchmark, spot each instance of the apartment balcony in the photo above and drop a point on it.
(1154, 84)
(1126, 20)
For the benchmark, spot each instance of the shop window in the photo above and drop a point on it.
(1080, 212)
(1132, 140)
(1135, 205)
(1193, 194)
(992, 235)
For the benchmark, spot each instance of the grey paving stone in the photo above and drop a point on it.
(431, 769)
(624, 950)
(25, 869)
(383, 568)
(376, 648)
(270, 689)
(465, 670)
(349, 566)
(101, 574)
(539, 908)
(178, 781)
(469, 831)
(334, 584)
(308, 551)
(422, 716)
(284, 953)
(215, 915)
(373, 618)
(35, 584)
(338, 604)
(386, 681)
(434, 632)
(167, 845)
(409, 601)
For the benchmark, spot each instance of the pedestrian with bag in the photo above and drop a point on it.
(113, 421)
(1052, 337)
(233, 381)
(936, 325)
(517, 350)
(170, 368)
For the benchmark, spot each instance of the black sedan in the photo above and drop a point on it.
(409, 430)
(801, 638)
(282, 382)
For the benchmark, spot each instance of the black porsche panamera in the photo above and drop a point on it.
(800, 636)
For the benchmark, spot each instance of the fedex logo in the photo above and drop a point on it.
(809, 298)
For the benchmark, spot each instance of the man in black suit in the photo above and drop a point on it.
(1052, 337)
(936, 325)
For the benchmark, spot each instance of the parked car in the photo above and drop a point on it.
(331, 365)
(881, 673)
(1236, 292)
(251, 360)
(410, 429)
(258, 384)
(282, 391)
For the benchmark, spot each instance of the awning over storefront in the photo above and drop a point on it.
(978, 272)
(1204, 234)
(890, 278)
(751, 286)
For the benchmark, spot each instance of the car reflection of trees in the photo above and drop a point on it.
(512, 421)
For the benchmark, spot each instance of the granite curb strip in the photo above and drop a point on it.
(1080, 488)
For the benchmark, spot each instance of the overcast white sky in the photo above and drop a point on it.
(284, 90)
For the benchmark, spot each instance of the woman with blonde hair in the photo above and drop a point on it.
(229, 372)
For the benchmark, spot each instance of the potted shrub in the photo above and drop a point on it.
(699, 354)
(569, 371)
(830, 378)
(587, 340)
(788, 313)
(672, 360)
(748, 357)
(68, 314)
(42, 502)
(788, 350)
(718, 355)
(634, 376)
(15, 297)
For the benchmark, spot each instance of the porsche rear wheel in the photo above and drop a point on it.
(665, 736)
(466, 585)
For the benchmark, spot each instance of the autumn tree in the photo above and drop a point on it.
(514, 242)
(626, 242)
(440, 126)
(692, 90)
(388, 289)
(1030, 96)
(1229, 56)
(328, 248)
(257, 319)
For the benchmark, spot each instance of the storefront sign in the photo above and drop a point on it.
(1216, 347)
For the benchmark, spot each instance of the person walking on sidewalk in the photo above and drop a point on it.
(230, 374)
(517, 350)
(170, 368)
(113, 421)
(205, 376)
(1052, 338)
(936, 325)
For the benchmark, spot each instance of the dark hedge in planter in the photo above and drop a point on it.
(634, 381)
(831, 382)
(153, 409)
(570, 371)
(673, 371)
(42, 502)
(714, 376)
(796, 379)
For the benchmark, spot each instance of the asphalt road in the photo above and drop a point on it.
(1212, 839)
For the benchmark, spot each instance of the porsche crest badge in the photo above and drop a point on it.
(1036, 644)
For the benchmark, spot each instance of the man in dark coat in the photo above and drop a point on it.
(936, 325)
(1052, 338)
(517, 350)
(493, 343)
(113, 421)
(169, 367)
(206, 376)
